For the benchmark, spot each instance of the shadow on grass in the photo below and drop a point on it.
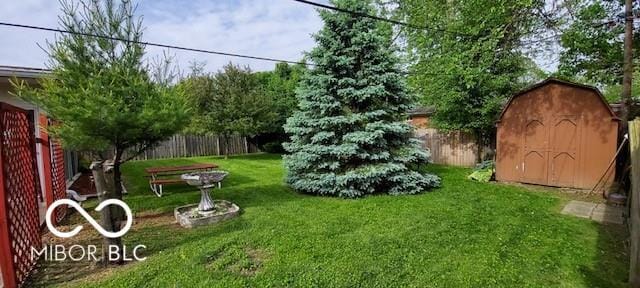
(245, 197)
(612, 259)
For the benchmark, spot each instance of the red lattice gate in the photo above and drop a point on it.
(58, 180)
(19, 223)
(53, 168)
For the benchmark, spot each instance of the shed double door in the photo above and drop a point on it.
(551, 149)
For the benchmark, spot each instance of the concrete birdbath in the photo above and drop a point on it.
(208, 211)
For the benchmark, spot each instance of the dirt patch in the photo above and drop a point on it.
(246, 261)
(566, 193)
(49, 273)
(255, 259)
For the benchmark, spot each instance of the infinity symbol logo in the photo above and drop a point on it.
(90, 219)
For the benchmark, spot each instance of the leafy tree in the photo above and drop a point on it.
(592, 42)
(612, 93)
(279, 85)
(228, 103)
(469, 60)
(100, 90)
(592, 45)
(349, 134)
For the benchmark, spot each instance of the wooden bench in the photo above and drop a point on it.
(156, 174)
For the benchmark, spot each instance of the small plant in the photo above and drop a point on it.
(483, 172)
(273, 147)
(486, 164)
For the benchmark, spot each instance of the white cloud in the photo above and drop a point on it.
(277, 29)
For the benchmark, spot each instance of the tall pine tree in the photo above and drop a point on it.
(349, 134)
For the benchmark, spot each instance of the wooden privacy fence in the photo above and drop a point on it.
(634, 205)
(198, 145)
(450, 148)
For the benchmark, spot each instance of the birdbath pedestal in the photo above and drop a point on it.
(205, 181)
(208, 211)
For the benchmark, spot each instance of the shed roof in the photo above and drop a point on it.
(562, 82)
(422, 111)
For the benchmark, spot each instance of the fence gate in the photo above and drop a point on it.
(58, 180)
(19, 223)
(53, 168)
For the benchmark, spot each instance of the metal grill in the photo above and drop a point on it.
(21, 186)
(57, 178)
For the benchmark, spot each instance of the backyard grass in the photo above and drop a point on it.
(464, 234)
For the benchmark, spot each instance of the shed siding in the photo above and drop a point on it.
(595, 136)
(420, 121)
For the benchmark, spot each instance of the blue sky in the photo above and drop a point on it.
(269, 28)
(278, 29)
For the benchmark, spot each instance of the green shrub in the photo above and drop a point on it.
(273, 147)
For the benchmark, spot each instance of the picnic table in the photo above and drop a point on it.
(160, 176)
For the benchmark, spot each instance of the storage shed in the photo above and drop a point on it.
(556, 133)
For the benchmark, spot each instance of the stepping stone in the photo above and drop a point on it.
(608, 214)
(579, 209)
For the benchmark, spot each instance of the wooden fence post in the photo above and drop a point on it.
(634, 217)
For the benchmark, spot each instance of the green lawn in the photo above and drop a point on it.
(464, 234)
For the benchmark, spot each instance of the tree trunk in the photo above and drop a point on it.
(117, 175)
(226, 146)
(480, 144)
(108, 184)
(628, 63)
(114, 189)
(623, 160)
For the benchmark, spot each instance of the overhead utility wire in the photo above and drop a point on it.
(7, 24)
(374, 17)
(396, 22)
(151, 43)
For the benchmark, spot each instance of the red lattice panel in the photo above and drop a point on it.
(57, 178)
(21, 186)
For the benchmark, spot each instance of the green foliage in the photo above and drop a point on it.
(593, 43)
(613, 92)
(349, 134)
(100, 90)
(279, 85)
(228, 102)
(273, 147)
(469, 63)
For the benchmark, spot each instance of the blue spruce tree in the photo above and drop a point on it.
(349, 134)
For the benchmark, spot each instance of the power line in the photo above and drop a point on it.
(24, 26)
(378, 18)
(396, 22)
(151, 43)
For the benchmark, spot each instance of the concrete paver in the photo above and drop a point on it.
(602, 213)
